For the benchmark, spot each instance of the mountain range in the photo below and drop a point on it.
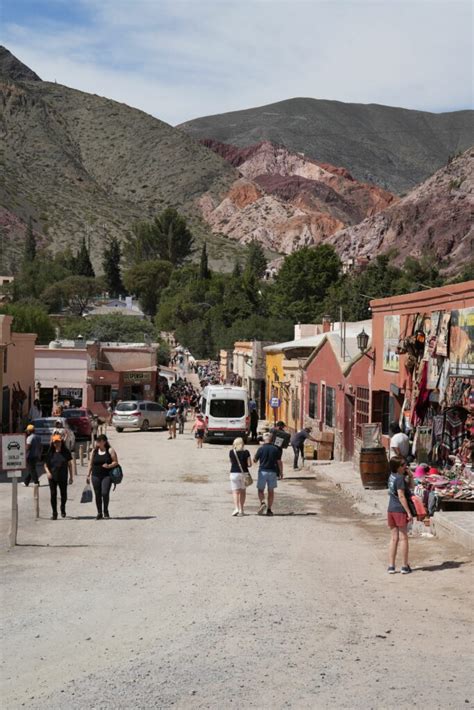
(80, 165)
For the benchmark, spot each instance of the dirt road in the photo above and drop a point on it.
(174, 603)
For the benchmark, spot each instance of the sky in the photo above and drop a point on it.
(180, 59)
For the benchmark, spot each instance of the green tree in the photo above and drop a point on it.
(302, 283)
(30, 243)
(30, 318)
(147, 280)
(255, 260)
(204, 263)
(167, 238)
(111, 266)
(114, 327)
(82, 263)
(75, 293)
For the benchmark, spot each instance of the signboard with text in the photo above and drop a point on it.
(137, 377)
(13, 452)
(275, 402)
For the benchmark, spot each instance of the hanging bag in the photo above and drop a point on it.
(116, 474)
(248, 478)
(86, 496)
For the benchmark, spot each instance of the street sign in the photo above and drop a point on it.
(275, 402)
(13, 451)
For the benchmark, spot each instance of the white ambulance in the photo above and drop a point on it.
(226, 412)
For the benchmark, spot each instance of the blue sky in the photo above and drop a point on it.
(178, 59)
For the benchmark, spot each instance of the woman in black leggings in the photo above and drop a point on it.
(102, 460)
(58, 465)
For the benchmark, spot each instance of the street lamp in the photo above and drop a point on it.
(362, 343)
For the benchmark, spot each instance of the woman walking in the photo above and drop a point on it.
(399, 514)
(199, 429)
(103, 459)
(240, 461)
(58, 465)
(171, 416)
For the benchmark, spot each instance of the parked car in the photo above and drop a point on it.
(80, 421)
(44, 428)
(138, 415)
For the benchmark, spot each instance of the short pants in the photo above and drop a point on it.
(267, 478)
(237, 481)
(397, 520)
(199, 434)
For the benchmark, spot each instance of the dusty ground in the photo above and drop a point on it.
(175, 603)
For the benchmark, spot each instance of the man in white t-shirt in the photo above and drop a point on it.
(399, 442)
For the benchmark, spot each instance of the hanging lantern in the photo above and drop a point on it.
(362, 341)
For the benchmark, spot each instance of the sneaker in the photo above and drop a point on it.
(24, 484)
(236, 512)
(406, 570)
(241, 513)
(54, 516)
(63, 515)
(99, 517)
(106, 516)
(391, 570)
(269, 511)
(261, 509)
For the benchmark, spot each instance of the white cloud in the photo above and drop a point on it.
(180, 59)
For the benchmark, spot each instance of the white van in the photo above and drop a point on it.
(226, 412)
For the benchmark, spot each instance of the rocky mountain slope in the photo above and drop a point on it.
(393, 147)
(82, 165)
(435, 219)
(285, 200)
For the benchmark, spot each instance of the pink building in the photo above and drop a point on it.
(17, 372)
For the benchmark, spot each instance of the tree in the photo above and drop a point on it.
(82, 264)
(147, 280)
(30, 243)
(204, 263)
(111, 267)
(255, 260)
(302, 283)
(167, 237)
(30, 318)
(74, 293)
(115, 327)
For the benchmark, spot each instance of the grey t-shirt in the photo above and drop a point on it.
(396, 482)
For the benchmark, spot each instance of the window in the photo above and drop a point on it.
(362, 409)
(330, 413)
(126, 407)
(102, 393)
(313, 400)
(227, 408)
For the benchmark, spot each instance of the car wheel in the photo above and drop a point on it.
(146, 425)
(119, 429)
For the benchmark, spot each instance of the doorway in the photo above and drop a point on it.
(349, 406)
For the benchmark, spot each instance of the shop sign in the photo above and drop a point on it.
(137, 377)
(275, 402)
(461, 343)
(73, 393)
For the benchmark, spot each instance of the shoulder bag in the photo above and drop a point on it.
(247, 476)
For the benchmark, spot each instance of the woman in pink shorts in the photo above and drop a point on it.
(398, 514)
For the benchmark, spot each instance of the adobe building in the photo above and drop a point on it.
(248, 367)
(17, 376)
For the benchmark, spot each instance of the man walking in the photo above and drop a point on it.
(270, 470)
(33, 455)
(297, 442)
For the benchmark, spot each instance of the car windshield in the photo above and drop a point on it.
(126, 407)
(74, 413)
(44, 423)
(227, 408)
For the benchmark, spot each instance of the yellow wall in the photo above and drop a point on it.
(274, 376)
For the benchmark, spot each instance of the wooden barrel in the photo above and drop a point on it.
(374, 468)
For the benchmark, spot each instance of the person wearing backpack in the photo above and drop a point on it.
(103, 459)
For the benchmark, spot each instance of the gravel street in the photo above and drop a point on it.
(174, 603)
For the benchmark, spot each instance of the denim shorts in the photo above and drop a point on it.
(267, 478)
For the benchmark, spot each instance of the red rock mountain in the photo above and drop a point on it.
(434, 219)
(286, 200)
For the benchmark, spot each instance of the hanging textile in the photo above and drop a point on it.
(443, 335)
(433, 334)
(453, 434)
(422, 401)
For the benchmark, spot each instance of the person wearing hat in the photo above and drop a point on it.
(33, 455)
(58, 466)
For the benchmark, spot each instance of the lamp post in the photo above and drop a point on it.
(363, 342)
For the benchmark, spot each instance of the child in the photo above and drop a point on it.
(199, 429)
(398, 514)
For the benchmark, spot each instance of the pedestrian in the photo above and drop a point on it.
(103, 459)
(171, 415)
(253, 424)
(58, 466)
(240, 462)
(35, 411)
(34, 450)
(199, 429)
(399, 442)
(181, 416)
(297, 442)
(398, 514)
(270, 469)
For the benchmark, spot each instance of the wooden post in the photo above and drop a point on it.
(81, 454)
(14, 521)
(36, 500)
(74, 465)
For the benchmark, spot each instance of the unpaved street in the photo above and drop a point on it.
(175, 603)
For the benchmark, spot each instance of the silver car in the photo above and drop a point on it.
(138, 415)
(45, 427)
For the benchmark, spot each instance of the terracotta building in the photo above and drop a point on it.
(17, 375)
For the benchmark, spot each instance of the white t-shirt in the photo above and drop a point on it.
(402, 443)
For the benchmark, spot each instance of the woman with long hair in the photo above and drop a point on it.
(240, 462)
(103, 459)
(58, 466)
(399, 513)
